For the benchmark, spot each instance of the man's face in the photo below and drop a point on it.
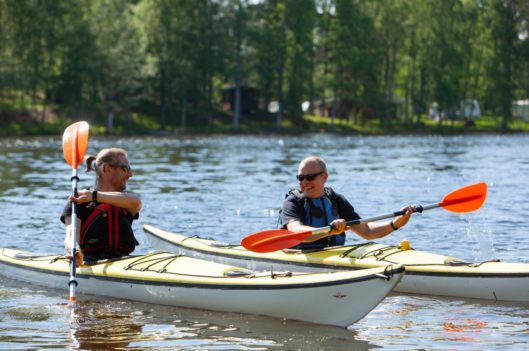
(313, 179)
(120, 174)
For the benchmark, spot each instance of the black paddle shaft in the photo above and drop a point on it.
(418, 209)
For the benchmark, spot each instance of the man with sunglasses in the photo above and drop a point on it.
(316, 206)
(104, 214)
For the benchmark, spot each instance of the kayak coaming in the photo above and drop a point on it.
(426, 273)
(345, 297)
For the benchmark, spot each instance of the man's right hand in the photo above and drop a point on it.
(339, 226)
(79, 258)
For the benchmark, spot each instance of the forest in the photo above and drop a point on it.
(184, 64)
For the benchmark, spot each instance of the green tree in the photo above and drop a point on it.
(502, 60)
(78, 82)
(32, 31)
(300, 23)
(393, 25)
(120, 56)
(356, 59)
(268, 61)
(182, 46)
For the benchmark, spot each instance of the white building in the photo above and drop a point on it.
(520, 109)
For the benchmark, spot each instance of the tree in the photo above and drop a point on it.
(503, 56)
(34, 29)
(269, 59)
(121, 56)
(356, 59)
(300, 22)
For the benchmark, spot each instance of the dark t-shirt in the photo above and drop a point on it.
(293, 210)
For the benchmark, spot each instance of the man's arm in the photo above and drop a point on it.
(79, 258)
(127, 200)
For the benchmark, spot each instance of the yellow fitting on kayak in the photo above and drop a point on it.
(404, 245)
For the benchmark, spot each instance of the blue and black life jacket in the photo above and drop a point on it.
(319, 213)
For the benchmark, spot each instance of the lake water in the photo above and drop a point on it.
(227, 187)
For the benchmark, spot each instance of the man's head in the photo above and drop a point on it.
(312, 175)
(112, 168)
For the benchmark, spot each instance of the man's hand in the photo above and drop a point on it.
(83, 196)
(79, 258)
(401, 221)
(339, 226)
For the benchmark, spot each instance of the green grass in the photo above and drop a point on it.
(13, 109)
(485, 124)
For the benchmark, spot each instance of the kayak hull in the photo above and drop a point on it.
(426, 273)
(168, 279)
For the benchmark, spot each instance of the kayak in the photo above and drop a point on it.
(169, 279)
(426, 273)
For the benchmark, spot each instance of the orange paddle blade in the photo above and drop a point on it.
(466, 199)
(273, 240)
(74, 143)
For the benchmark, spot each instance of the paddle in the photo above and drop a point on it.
(466, 199)
(74, 143)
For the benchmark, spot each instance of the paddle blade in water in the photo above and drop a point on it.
(466, 199)
(273, 240)
(74, 143)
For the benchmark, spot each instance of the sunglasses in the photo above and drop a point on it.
(125, 168)
(309, 177)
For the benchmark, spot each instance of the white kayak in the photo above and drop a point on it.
(426, 273)
(339, 298)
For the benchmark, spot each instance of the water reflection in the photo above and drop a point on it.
(95, 325)
(462, 324)
(99, 325)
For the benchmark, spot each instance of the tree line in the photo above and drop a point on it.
(181, 62)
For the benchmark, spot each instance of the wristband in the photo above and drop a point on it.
(94, 196)
(393, 226)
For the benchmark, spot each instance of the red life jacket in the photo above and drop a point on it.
(107, 233)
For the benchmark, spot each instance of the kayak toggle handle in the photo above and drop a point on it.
(73, 281)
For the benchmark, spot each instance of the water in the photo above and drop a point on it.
(227, 187)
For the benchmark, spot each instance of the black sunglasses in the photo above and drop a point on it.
(309, 177)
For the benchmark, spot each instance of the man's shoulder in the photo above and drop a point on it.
(337, 198)
(291, 199)
(294, 195)
(333, 195)
(293, 202)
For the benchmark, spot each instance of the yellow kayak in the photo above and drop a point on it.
(170, 279)
(426, 273)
